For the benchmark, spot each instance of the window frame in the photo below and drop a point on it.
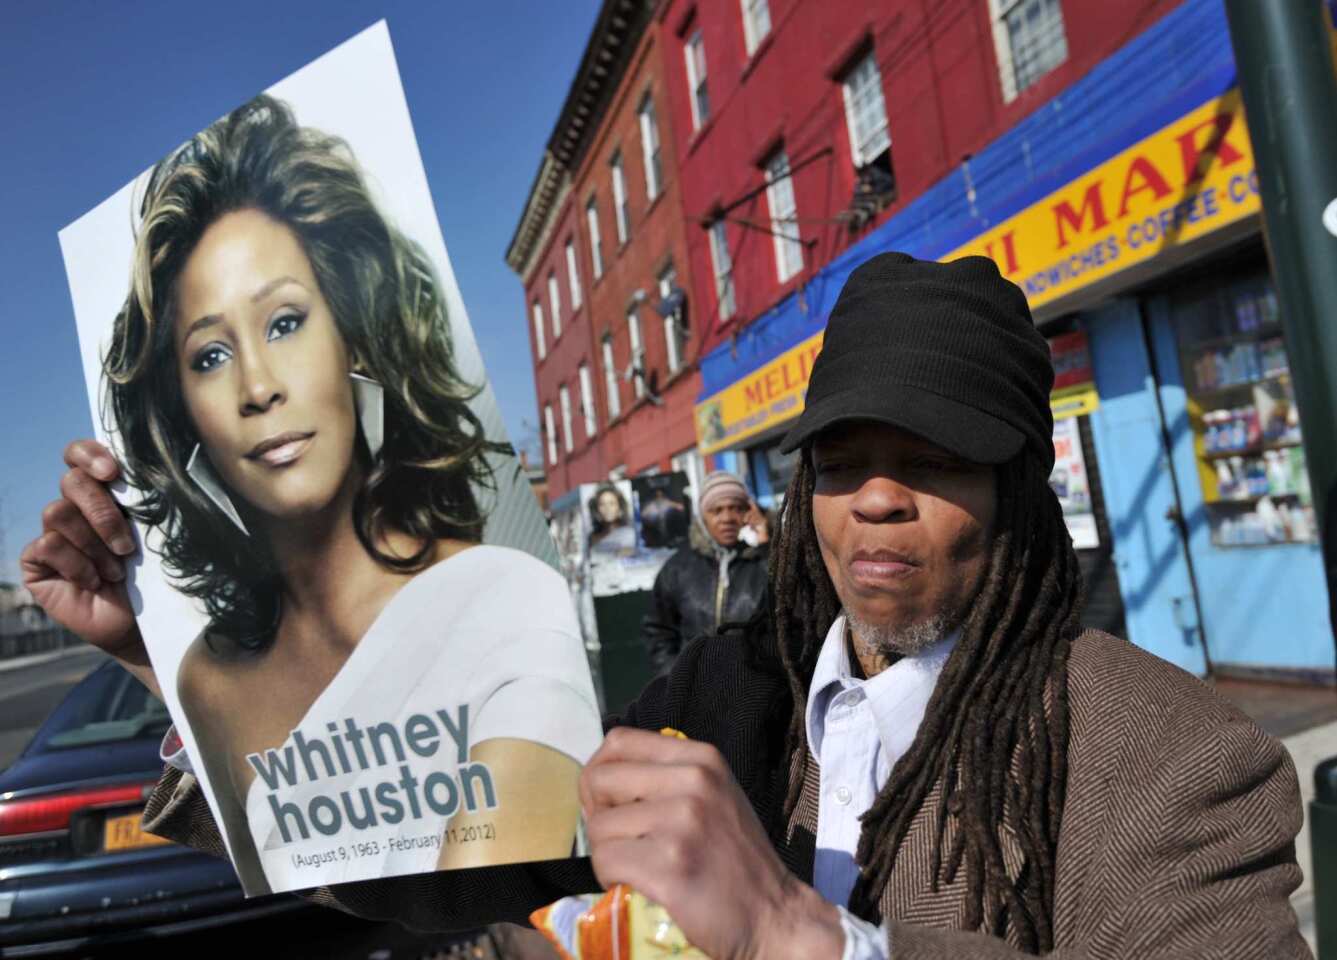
(650, 147)
(564, 402)
(621, 201)
(573, 274)
(751, 36)
(698, 89)
(784, 229)
(1008, 75)
(674, 347)
(637, 346)
(611, 382)
(725, 295)
(555, 305)
(550, 425)
(859, 147)
(587, 400)
(596, 240)
(540, 337)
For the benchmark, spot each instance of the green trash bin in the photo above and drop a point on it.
(1323, 846)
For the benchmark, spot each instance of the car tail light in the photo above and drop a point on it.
(53, 812)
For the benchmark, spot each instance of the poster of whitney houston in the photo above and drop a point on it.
(346, 587)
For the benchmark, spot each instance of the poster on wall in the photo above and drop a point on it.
(293, 388)
(1071, 484)
(663, 510)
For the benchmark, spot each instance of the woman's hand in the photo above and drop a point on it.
(756, 519)
(76, 568)
(667, 817)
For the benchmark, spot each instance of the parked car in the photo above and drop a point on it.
(76, 869)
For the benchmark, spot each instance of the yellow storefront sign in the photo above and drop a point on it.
(1188, 179)
(764, 398)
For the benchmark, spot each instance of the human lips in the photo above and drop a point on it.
(281, 448)
(881, 567)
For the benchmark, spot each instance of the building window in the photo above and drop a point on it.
(695, 52)
(784, 217)
(596, 247)
(539, 340)
(654, 172)
(1029, 38)
(675, 332)
(610, 380)
(564, 399)
(572, 274)
(756, 23)
(723, 266)
(621, 214)
(689, 462)
(866, 112)
(555, 305)
(550, 429)
(637, 351)
(587, 400)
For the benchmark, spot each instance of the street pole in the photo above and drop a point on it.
(1283, 55)
(1284, 60)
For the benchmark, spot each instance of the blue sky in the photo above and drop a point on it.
(92, 93)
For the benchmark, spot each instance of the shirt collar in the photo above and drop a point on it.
(898, 696)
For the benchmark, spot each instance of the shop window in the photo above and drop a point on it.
(610, 380)
(555, 305)
(756, 23)
(870, 142)
(654, 168)
(722, 264)
(1241, 403)
(621, 213)
(573, 275)
(784, 217)
(596, 247)
(540, 342)
(1029, 39)
(695, 54)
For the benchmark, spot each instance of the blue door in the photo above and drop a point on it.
(1141, 500)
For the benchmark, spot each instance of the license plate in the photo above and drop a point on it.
(125, 833)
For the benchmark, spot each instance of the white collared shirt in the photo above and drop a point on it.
(857, 730)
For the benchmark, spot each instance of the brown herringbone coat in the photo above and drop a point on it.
(1177, 839)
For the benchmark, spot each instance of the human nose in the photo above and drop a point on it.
(260, 386)
(883, 499)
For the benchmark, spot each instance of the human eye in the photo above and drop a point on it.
(210, 356)
(284, 324)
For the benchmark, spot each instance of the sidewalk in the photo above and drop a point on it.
(1307, 749)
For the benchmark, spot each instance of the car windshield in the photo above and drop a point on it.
(107, 706)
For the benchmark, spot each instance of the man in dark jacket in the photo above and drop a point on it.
(716, 579)
(919, 754)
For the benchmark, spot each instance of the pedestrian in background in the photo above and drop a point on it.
(717, 578)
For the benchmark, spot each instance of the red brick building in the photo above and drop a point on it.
(601, 250)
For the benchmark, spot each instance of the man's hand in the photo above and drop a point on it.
(667, 817)
(76, 568)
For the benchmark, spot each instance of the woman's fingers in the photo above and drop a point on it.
(102, 512)
(64, 518)
(93, 457)
(53, 552)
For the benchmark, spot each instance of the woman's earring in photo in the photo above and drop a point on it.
(369, 396)
(199, 469)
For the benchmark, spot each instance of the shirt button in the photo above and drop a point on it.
(843, 795)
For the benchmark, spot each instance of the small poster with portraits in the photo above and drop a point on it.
(346, 587)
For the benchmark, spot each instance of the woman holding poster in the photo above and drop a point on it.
(376, 692)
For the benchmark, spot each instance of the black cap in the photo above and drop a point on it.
(947, 351)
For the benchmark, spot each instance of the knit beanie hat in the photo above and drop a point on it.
(721, 485)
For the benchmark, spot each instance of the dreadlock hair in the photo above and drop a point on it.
(995, 733)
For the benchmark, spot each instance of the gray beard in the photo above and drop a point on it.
(888, 642)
